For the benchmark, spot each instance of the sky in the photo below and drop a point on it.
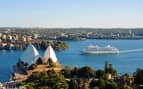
(71, 13)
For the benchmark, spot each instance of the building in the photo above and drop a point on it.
(4, 36)
(31, 57)
(31, 61)
(9, 37)
(30, 54)
(36, 36)
(50, 55)
(15, 37)
(29, 38)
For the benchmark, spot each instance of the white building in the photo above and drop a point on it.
(50, 54)
(4, 36)
(30, 54)
(36, 36)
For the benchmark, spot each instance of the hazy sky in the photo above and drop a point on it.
(71, 13)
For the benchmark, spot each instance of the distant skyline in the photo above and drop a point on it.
(72, 13)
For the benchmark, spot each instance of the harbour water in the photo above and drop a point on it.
(130, 58)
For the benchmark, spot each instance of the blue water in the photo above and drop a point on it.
(126, 62)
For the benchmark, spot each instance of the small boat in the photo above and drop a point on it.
(100, 50)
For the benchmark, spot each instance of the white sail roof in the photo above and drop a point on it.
(29, 54)
(50, 54)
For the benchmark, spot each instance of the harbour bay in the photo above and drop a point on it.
(123, 62)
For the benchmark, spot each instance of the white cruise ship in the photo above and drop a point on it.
(100, 50)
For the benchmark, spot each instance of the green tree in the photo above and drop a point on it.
(44, 44)
(59, 45)
(80, 83)
(93, 84)
(73, 84)
(74, 71)
(67, 71)
(127, 87)
(34, 77)
(43, 87)
(86, 72)
(113, 71)
(111, 85)
(138, 76)
(50, 79)
(98, 83)
(100, 74)
(101, 84)
(29, 87)
(56, 80)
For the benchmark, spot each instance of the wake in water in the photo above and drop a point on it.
(132, 50)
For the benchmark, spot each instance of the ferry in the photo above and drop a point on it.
(100, 50)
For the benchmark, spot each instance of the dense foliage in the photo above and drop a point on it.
(83, 78)
(48, 80)
(57, 45)
(139, 77)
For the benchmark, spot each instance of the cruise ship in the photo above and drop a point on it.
(100, 50)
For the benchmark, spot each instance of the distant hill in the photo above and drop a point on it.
(73, 30)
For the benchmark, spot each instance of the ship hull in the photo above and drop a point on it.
(100, 52)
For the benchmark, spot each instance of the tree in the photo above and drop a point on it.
(93, 84)
(67, 71)
(34, 77)
(73, 84)
(29, 87)
(86, 72)
(109, 69)
(111, 85)
(106, 67)
(80, 83)
(101, 84)
(44, 44)
(98, 83)
(113, 71)
(74, 72)
(43, 87)
(138, 77)
(56, 80)
(127, 87)
(58, 45)
(44, 78)
(50, 79)
(126, 75)
(100, 74)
